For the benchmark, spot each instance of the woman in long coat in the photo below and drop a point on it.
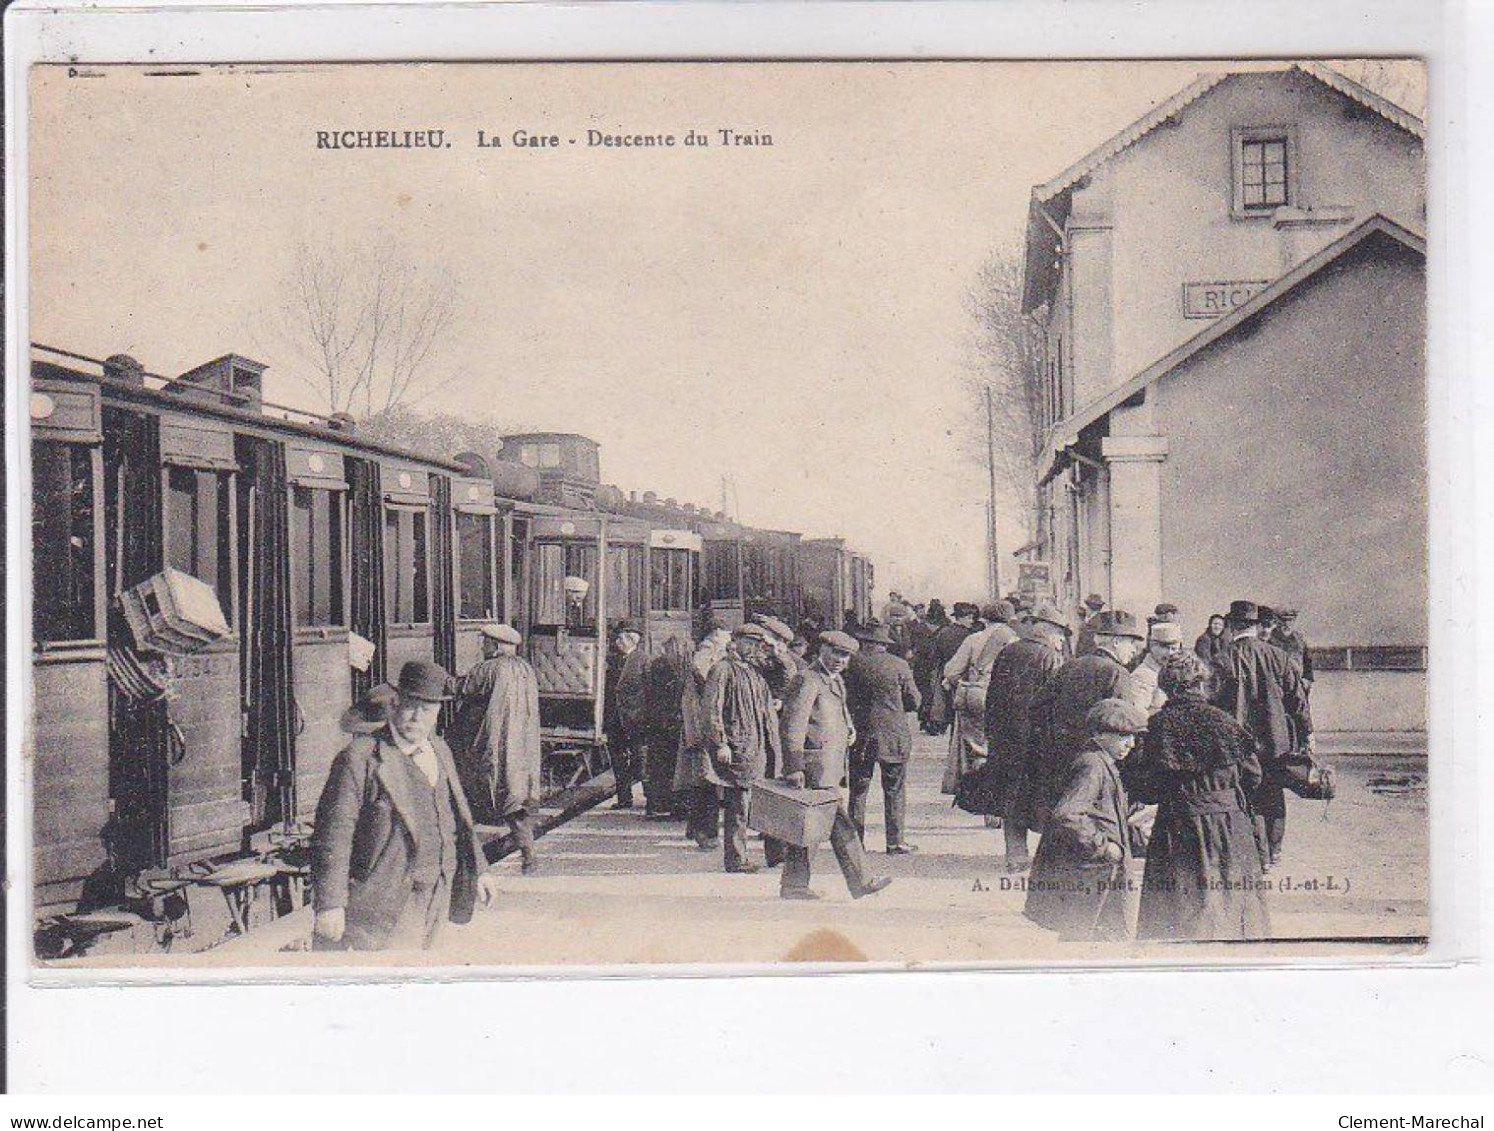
(1203, 870)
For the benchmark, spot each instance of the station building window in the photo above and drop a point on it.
(62, 540)
(1264, 170)
(479, 595)
(199, 506)
(406, 565)
(316, 557)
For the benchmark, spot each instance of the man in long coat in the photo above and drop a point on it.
(947, 642)
(967, 675)
(1021, 671)
(741, 732)
(1062, 706)
(691, 773)
(881, 692)
(395, 852)
(1262, 689)
(496, 737)
(817, 733)
(625, 708)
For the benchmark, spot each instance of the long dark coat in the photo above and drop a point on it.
(625, 697)
(947, 642)
(1073, 889)
(881, 691)
(692, 761)
(1259, 686)
(1058, 713)
(363, 847)
(1021, 671)
(496, 736)
(737, 712)
(1203, 870)
(817, 729)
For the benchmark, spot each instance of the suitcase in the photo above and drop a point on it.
(174, 612)
(801, 817)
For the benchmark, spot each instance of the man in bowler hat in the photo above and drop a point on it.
(395, 851)
(881, 691)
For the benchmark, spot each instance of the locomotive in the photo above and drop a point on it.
(333, 560)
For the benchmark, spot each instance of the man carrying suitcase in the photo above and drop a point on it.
(817, 735)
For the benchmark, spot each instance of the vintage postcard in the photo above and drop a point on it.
(545, 516)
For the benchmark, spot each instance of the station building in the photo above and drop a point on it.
(1233, 296)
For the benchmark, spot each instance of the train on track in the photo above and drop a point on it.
(158, 771)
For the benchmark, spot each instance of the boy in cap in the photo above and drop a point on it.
(496, 737)
(817, 737)
(393, 814)
(1078, 882)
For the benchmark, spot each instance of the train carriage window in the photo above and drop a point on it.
(62, 542)
(198, 517)
(722, 579)
(479, 595)
(316, 536)
(669, 581)
(406, 577)
(624, 583)
(553, 563)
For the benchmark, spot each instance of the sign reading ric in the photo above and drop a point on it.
(1210, 300)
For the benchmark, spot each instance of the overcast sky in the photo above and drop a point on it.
(792, 317)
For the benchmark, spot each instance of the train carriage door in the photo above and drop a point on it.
(270, 720)
(368, 615)
(566, 636)
(205, 771)
(672, 559)
(479, 567)
(722, 565)
(318, 619)
(70, 728)
(139, 727)
(414, 560)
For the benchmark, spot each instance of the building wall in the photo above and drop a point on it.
(1159, 215)
(1296, 467)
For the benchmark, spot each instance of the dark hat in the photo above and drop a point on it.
(1243, 612)
(1166, 611)
(1115, 716)
(1047, 613)
(1266, 614)
(775, 626)
(1183, 671)
(371, 712)
(873, 633)
(623, 626)
(1002, 611)
(422, 679)
(839, 640)
(1095, 601)
(1116, 622)
(503, 633)
(751, 631)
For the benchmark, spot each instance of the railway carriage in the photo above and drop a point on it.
(331, 561)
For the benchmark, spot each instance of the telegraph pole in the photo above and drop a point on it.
(995, 565)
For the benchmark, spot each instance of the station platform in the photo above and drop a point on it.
(615, 889)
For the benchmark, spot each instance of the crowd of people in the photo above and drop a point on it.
(1106, 742)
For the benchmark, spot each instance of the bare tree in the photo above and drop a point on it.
(366, 325)
(1007, 350)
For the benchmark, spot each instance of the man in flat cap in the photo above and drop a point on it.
(1164, 638)
(740, 729)
(1064, 702)
(496, 737)
(1078, 886)
(1290, 640)
(1261, 688)
(395, 850)
(1094, 605)
(881, 691)
(966, 677)
(625, 708)
(817, 736)
(1021, 672)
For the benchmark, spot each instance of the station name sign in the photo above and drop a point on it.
(1210, 300)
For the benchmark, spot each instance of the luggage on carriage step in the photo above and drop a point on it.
(801, 817)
